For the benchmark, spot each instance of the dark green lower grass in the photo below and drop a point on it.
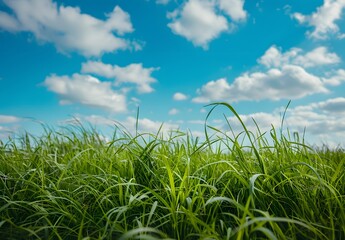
(76, 186)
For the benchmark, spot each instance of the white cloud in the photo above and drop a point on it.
(137, 45)
(198, 21)
(135, 100)
(324, 121)
(233, 8)
(119, 21)
(90, 91)
(334, 105)
(201, 21)
(273, 57)
(336, 78)
(67, 27)
(264, 121)
(324, 19)
(213, 90)
(8, 22)
(134, 73)
(180, 96)
(341, 36)
(319, 56)
(290, 82)
(173, 111)
(285, 77)
(9, 119)
(86, 90)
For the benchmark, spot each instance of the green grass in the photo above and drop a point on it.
(74, 185)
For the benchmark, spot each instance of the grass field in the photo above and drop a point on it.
(74, 185)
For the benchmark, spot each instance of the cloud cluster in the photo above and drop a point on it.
(324, 19)
(88, 90)
(334, 105)
(288, 75)
(201, 21)
(67, 27)
(336, 78)
(134, 73)
(323, 121)
(319, 56)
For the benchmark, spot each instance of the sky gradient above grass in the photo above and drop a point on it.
(99, 62)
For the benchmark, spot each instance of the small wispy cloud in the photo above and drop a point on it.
(173, 111)
(324, 19)
(180, 96)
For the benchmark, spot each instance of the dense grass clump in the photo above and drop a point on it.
(75, 185)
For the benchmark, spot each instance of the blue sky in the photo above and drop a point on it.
(99, 61)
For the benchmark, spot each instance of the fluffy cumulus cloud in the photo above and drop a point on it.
(86, 90)
(134, 73)
(324, 19)
(290, 82)
(234, 9)
(286, 77)
(198, 22)
(67, 27)
(201, 21)
(319, 56)
(180, 96)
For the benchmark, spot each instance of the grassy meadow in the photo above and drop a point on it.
(72, 184)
